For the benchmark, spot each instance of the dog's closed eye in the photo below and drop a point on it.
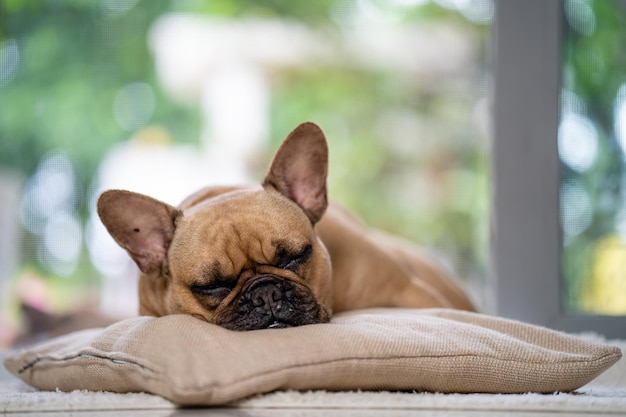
(215, 290)
(292, 261)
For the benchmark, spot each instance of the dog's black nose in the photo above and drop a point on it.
(269, 301)
(266, 296)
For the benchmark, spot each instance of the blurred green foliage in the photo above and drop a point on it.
(594, 62)
(74, 58)
(76, 55)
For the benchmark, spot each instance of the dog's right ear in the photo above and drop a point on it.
(141, 225)
(299, 170)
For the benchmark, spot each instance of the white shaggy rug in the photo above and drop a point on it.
(605, 395)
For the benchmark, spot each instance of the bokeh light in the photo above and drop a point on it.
(134, 105)
(580, 16)
(9, 60)
(577, 141)
(48, 210)
(576, 209)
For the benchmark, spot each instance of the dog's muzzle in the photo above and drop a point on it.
(269, 301)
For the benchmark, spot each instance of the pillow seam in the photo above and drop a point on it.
(48, 359)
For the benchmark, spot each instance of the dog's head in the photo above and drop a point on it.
(242, 257)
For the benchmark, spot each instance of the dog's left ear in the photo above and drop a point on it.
(299, 170)
(141, 225)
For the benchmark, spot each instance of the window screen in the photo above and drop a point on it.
(591, 146)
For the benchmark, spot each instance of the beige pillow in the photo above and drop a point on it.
(191, 362)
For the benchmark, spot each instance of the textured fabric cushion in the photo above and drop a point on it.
(194, 363)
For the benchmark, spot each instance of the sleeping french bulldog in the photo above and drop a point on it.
(270, 256)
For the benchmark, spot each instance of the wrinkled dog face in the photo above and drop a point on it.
(242, 257)
(249, 259)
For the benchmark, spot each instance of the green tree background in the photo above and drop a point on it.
(75, 55)
(594, 59)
